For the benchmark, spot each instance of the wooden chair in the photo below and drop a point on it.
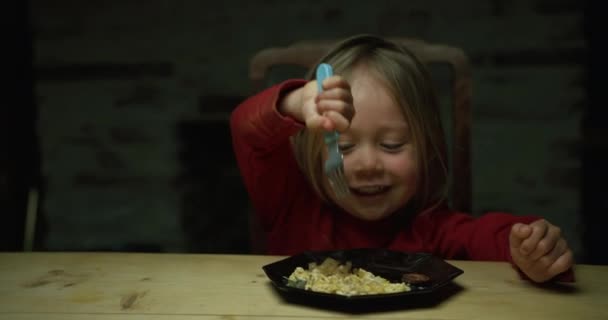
(305, 54)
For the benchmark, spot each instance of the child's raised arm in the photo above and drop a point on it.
(260, 138)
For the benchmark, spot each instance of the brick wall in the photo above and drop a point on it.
(130, 94)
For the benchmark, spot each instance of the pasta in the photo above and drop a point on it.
(333, 277)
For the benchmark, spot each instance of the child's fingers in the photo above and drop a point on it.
(316, 122)
(562, 264)
(547, 244)
(338, 121)
(342, 106)
(519, 232)
(336, 94)
(539, 229)
(328, 119)
(328, 125)
(335, 81)
(335, 105)
(547, 260)
(560, 248)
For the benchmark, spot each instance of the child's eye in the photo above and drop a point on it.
(392, 146)
(345, 147)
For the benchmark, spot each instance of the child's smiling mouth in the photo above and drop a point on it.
(368, 191)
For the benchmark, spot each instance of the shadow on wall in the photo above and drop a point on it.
(214, 202)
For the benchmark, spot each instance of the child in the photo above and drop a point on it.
(382, 102)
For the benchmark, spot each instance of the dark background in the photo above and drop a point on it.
(115, 112)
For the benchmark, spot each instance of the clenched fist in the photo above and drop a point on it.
(329, 110)
(539, 250)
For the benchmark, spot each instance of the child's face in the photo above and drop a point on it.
(379, 159)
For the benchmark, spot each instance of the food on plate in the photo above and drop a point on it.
(333, 277)
(415, 278)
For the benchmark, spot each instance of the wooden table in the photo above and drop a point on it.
(126, 286)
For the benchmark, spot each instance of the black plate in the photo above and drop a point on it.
(392, 265)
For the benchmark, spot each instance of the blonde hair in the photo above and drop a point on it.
(410, 83)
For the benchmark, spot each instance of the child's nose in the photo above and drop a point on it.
(367, 160)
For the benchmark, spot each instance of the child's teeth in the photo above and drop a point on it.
(370, 189)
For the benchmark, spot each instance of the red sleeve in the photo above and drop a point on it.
(486, 238)
(260, 137)
(460, 235)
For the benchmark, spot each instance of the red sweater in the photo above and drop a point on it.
(295, 219)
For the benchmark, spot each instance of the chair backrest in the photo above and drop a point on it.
(305, 54)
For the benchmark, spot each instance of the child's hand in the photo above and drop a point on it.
(539, 250)
(329, 110)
